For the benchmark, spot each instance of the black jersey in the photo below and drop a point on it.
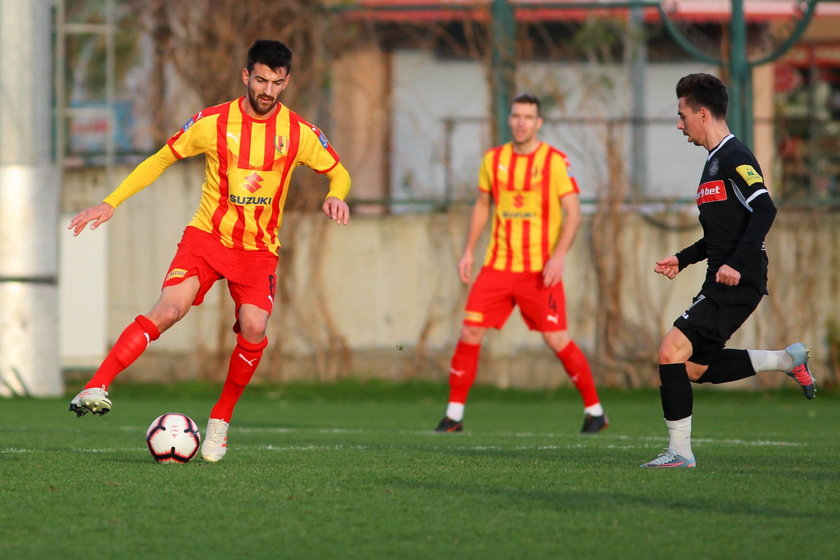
(736, 212)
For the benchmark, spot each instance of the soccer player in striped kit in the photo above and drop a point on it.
(251, 146)
(536, 217)
(736, 213)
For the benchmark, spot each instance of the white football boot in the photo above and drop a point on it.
(214, 446)
(93, 400)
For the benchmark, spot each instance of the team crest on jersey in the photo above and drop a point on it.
(714, 167)
(321, 138)
(281, 144)
(711, 191)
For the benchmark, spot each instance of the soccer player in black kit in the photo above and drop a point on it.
(736, 213)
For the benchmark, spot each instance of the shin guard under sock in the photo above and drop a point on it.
(675, 391)
(133, 341)
(243, 363)
(462, 371)
(577, 368)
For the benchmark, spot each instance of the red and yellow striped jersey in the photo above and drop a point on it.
(526, 192)
(249, 164)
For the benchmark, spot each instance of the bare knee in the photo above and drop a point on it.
(164, 315)
(472, 334)
(556, 340)
(670, 353)
(253, 324)
(253, 331)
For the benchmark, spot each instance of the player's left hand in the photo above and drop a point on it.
(728, 276)
(553, 271)
(337, 210)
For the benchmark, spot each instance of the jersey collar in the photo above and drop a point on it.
(719, 146)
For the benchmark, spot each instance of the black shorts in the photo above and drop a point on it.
(717, 312)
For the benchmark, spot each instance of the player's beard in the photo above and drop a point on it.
(259, 105)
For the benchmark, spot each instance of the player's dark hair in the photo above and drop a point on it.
(530, 99)
(273, 54)
(704, 90)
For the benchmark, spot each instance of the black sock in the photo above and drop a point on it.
(728, 365)
(675, 392)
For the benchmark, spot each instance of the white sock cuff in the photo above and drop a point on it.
(770, 360)
(455, 411)
(679, 432)
(594, 410)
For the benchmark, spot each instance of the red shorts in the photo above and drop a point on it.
(251, 275)
(496, 292)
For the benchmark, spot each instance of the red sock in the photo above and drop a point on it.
(577, 368)
(462, 371)
(132, 342)
(243, 363)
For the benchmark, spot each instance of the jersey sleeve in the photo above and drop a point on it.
(485, 173)
(142, 176)
(565, 177)
(195, 137)
(315, 150)
(745, 172)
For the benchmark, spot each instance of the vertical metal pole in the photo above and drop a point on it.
(638, 50)
(29, 195)
(503, 61)
(110, 92)
(60, 97)
(737, 69)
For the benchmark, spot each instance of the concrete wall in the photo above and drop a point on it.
(351, 297)
(578, 99)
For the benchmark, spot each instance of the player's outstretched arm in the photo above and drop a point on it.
(98, 214)
(142, 176)
(669, 267)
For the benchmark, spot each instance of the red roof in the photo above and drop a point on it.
(406, 11)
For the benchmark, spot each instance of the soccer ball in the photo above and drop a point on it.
(173, 438)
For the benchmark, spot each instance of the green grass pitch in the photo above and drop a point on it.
(354, 471)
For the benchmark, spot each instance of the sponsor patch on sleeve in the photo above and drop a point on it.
(474, 316)
(176, 273)
(191, 122)
(321, 138)
(749, 174)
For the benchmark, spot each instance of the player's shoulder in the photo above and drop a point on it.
(495, 152)
(308, 131)
(306, 127)
(736, 152)
(206, 115)
(555, 152)
(737, 160)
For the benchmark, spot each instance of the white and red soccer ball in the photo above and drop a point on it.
(173, 438)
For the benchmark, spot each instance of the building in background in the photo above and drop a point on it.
(409, 98)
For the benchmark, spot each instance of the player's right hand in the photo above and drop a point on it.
(98, 214)
(669, 267)
(465, 267)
